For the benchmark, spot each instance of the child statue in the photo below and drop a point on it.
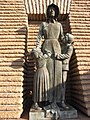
(67, 50)
(41, 79)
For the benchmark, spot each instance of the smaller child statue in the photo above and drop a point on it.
(41, 79)
(67, 50)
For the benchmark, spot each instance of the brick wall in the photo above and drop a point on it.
(16, 73)
(80, 64)
(78, 25)
(13, 22)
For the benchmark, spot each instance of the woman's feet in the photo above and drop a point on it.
(36, 106)
(63, 105)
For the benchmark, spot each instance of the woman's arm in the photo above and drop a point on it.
(61, 33)
(65, 56)
(40, 34)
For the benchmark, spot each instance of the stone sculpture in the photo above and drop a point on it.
(41, 79)
(67, 50)
(52, 60)
(53, 34)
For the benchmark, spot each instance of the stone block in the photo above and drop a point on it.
(11, 95)
(36, 114)
(70, 113)
(10, 114)
(11, 89)
(11, 84)
(8, 68)
(11, 73)
(60, 113)
(12, 39)
(11, 107)
(11, 78)
(12, 51)
(11, 101)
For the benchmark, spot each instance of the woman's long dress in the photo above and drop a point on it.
(53, 34)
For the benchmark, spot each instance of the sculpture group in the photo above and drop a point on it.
(52, 62)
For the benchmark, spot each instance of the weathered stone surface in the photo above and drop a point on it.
(11, 107)
(11, 101)
(36, 114)
(10, 114)
(79, 73)
(11, 89)
(79, 22)
(79, 19)
(11, 69)
(13, 43)
(13, 20)
(11, 95)
(11, 73)
(70, 113)
(58, 113)
(11, 78)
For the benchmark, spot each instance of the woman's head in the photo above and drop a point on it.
(52, 11)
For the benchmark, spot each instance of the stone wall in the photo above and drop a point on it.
(13, 21)
(80, 64)
(16, 73)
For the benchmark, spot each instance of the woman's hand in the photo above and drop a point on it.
(58, 56)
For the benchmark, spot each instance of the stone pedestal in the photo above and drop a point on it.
(70, 113)
(53, 112)
(38, 115)
(59, 113)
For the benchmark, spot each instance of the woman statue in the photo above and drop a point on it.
(53, 35)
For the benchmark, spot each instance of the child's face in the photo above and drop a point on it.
(66, 38)
(36, 54)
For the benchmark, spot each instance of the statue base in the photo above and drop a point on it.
(38, 115)
(53, 112)
(68, 114)
(59, 113)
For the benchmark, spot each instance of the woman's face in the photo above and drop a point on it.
(51, 12)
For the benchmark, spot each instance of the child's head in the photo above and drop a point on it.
(69, 38)
(36, 53)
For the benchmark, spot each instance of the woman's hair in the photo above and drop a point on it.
(56, 11)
